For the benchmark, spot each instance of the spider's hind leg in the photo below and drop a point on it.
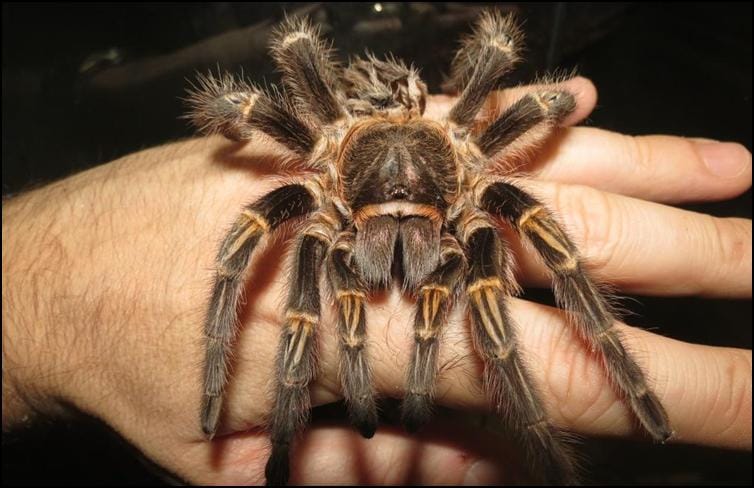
(296, 360)
(435, 296)
(507, 382)
(354, 368)
(576, 292)
(221, 322)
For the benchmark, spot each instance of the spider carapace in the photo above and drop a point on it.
(397, 195)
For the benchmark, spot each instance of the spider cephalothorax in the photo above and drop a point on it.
(398, 195)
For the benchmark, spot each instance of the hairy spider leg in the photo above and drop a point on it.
(525, 124)
(488, 54)
(308, 69)
(354, 366)
(231, 107)
(296, 363)
(492, 27)
(507, 383)
(221, 322)
(576, 292)
(435, 298)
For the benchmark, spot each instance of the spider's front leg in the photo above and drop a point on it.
(231, 107)
(525, 124)
(485, 56)
(221, 323)
(576, 292)
(354, 370)
(308, 69)
(296, 364)
(434, 300)
(507, 382)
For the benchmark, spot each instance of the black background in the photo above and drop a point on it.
(86, 83)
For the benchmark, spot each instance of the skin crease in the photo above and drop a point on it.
(108, 274)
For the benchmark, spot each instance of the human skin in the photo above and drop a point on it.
(107, 276)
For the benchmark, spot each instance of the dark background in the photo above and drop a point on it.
(85, 84)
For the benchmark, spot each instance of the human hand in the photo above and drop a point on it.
(108, 274)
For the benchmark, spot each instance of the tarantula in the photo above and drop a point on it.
(399, 195)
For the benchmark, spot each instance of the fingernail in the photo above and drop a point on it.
(724, 159)
(482, 473)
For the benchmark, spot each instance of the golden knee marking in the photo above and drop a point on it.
(493, 282)
(539, 98)
(307, 319)
(248, 106)
(300, 326)
(529, 213)
(489, 327)
(293, 37)
(319, 234)
(444, 290)
(502, 45)
(433, 296)
(351, 303)
(252, 216)
(252, 229)
(495, 310)
(423, 335)
(553, 237)
(340, 294)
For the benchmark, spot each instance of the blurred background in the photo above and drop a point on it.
(84, 84)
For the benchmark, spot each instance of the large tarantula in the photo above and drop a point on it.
(400, 195)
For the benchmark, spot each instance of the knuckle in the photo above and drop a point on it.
(580, 390)
(733, 395)
(638, 151)
(593, 222)
(733, 243)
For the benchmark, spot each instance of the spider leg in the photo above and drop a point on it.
(507, 382)
(526, 123)
(484, 57)
(577, 293)
(221, 323)
(296, 362)
(355, 371)
(231, 107)
(433, 304)
(308, 69)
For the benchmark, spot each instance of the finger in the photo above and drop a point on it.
(444, 453)
(648, 248)
(706, 390)
(659, 168)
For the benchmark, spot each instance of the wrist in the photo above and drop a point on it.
(33, 351)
